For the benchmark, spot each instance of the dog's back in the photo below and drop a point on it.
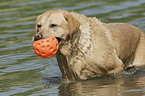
(133, 43)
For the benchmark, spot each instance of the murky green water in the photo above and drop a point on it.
(22, 72)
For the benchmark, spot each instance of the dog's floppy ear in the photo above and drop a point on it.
(73, 23)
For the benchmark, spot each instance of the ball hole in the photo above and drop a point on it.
(37, 50)
(51, 48)
(43, 53)
(53, 38)
(56, 44)
(47, 41)
(54, 51)
(48, 46)
(43, 46)
(42, 41)
(38, 43)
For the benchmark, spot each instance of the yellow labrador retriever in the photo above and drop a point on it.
(89, 48)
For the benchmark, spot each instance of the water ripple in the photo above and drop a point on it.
(107, 9)
(33, 2)
(21, 70)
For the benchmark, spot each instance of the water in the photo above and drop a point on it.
(23, 73)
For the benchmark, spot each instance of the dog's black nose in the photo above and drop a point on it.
(38, 36)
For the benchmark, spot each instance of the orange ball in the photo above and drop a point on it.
(46, 48)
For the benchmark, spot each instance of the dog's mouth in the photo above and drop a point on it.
(39, 36)
(59, 39)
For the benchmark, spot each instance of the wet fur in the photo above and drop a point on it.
(91, 48)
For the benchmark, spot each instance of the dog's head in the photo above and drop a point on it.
(58, 23)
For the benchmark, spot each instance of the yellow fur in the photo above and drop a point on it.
(91, 48)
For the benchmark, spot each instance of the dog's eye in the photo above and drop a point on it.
(39, 26)
(53, 25)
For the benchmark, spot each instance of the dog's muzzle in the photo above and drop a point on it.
(39, 36)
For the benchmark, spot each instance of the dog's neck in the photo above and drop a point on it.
(71, 56)
(73, 63)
